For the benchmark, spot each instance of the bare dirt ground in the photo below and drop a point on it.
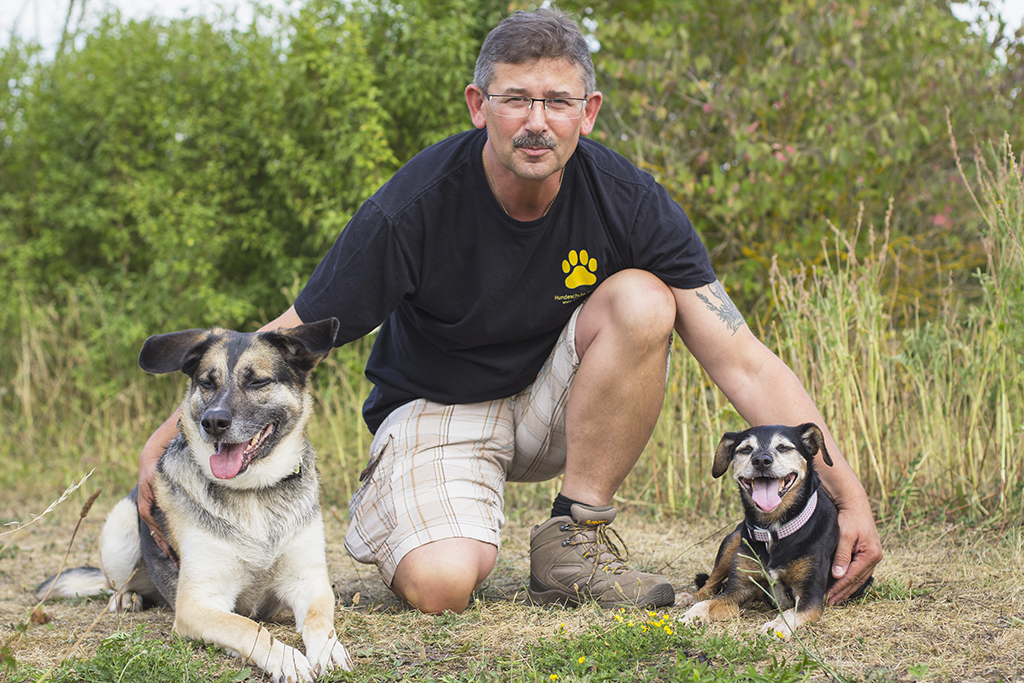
(948, 604)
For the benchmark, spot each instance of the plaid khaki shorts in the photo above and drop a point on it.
(439, 471)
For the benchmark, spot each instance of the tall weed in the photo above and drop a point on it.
(71, 399)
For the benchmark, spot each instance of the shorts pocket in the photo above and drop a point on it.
(372, 508)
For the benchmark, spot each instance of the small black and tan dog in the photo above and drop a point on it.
(782, 551)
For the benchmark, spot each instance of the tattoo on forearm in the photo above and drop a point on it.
(723, 306)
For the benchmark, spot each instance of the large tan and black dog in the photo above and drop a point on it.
(237, 495)
(783, 550)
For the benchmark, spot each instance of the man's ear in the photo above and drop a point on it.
(475, 102)
(590, 112)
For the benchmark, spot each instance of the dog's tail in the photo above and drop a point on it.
(80, 582)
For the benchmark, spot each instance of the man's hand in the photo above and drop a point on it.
(858, 552)
(148, 460)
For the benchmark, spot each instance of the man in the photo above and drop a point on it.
(527, 283)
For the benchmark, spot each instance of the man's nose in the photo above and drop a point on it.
(537, 118)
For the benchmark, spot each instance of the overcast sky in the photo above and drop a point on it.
(42, 20)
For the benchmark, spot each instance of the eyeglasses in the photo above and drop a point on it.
(519, 106)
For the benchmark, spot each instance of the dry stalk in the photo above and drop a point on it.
(36, 615)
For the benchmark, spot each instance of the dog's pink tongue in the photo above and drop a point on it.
(766, 494)
(227, 462)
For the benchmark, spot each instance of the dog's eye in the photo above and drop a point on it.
(206, 383)
(258, 383)
(744, 450)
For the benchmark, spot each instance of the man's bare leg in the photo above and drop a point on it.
(622, 339)
(441, 576)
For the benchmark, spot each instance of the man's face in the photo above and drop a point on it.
(535, 146)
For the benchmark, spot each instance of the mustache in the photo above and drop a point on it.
(534, 140)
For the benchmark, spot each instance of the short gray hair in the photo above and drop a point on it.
(522, 36)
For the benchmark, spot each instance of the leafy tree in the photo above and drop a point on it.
(424, 54)
(192, 171)
(766, 120)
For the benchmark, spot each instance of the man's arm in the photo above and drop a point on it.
(165, 433)
(764, 390)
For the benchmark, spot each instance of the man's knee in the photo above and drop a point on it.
(441, 576)
(632, 301)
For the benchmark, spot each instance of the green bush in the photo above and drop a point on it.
(766, 120)
(190, 173)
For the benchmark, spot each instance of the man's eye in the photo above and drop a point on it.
(558, 103)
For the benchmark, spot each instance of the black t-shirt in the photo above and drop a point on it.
(471, 301)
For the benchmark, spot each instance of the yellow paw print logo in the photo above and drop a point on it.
(580, 269)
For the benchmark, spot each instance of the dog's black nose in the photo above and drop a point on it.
(216, 422)
(761, 461)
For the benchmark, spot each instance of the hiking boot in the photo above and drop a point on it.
(577, 558)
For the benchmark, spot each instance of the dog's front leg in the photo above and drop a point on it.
(208, 588)
(719, 574)
(317, 628)
(304, 585)
(242, 637)
(789, 621)
(716, 609)
(740, 588)
(799, 586)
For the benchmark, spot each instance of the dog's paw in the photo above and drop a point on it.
(685, 599)
(698, 613)
(125, 601)
(285, 664)
(777, 628)
(328, 655)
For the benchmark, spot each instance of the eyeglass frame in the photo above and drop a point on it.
(542, 100)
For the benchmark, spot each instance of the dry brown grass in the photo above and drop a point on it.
(948, 604)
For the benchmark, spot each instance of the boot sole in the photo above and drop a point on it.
(662, 595)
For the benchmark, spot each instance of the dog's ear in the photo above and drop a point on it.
(163, 353)
(723, 454)
(814, 441)
(307, 344)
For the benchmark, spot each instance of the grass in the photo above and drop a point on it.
(631, 647)
(135, 656)
(947, 605)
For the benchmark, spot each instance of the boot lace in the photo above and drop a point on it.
(598, 541)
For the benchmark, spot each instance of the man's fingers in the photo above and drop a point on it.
(154, 531)
(850, 577)
(841, 561)
(162, 542)
(856, 574)
(146, 513)
(857, 553)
